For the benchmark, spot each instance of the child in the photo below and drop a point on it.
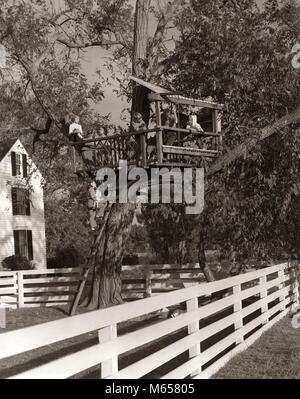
(75, 130)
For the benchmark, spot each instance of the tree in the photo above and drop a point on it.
(257, 176)
(42, 45)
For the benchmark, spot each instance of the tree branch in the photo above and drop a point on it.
(88, 44)
(239, 150)
(39, 132)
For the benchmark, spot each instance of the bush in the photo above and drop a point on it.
(130, 260)
(16, 262)
(67, 257)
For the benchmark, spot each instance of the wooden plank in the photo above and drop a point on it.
(263, 294)
(7, 281)
(9, 290)
(47, 298)
(20, 290)
(46, 304)
(191, 305)
(110, 366)
(77, 297)
(53, 279)
(70, 270)
(190, 131)
(217, 126)
(8, 299)
(237, 307)
(148, 287)
(7, 274)
(50, 289)
(185, 100)
(169, 149)
(159, 137)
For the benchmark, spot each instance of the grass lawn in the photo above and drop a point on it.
(276, 354)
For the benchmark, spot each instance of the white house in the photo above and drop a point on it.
(22, 221)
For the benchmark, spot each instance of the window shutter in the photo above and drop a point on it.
(24, 163)
(16, 241)
(27, 204)
(14, 200)
(29, 243)
(13, 163)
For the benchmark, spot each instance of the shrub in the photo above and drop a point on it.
(130, 260)
(16, 262)
(67, 257)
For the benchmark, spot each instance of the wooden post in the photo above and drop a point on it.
(191, 305)
(143, 150)
(74, 159)
(109, 367)
(295, 288)
(217, 127)
(263, 294)
(159, 135)
(237, 307)
(280, 286)
(20, 290)
(77, 297)
(148, 283)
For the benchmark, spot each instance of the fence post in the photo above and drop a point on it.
(20, 289)
(192, 304)
(148, 283)
(280, 286)
(109, 367)
(263, 294)
(295, 287)
(237, 308)
(159, 134)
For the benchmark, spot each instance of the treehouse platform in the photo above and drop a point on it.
(186, 132)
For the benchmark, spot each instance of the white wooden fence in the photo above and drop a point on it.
(208, 335)
(51, 287)
(30, 288)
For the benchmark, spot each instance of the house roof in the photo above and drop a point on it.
(175, 97)
(5, 146)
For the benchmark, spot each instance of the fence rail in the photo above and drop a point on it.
(212, 333)
(32, 288)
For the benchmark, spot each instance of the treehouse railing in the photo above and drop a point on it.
(166, 146)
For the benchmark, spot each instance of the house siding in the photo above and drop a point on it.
(35, 222)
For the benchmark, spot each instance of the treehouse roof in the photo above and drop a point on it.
(160, 94)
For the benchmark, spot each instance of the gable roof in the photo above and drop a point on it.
(175, 97)
(5, 146)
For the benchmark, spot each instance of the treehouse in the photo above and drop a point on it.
(186, 132)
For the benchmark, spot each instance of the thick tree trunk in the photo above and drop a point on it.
(108, 253)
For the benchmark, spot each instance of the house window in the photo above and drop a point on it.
(23, 243)
(18, 164)
(20, 201)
